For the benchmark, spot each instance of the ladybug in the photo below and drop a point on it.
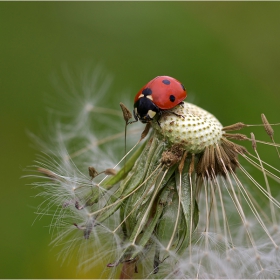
(160, 94)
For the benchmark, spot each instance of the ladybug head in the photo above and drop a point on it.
(145, 110)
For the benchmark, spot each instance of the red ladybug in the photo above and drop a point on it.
(160, 94)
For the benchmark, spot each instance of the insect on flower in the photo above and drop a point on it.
(189, 202)
(161, 93)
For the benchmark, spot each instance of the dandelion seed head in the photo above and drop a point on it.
(181, 205)
(192, 127)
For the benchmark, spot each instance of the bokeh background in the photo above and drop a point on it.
(227, 54)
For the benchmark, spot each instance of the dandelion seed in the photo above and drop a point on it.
(184, 205)
(92, 172)
(269, 130)
(126, 113)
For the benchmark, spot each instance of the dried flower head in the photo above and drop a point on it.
(185, 204)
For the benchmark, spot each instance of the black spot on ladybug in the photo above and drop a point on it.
(183, 87)
(172, 98)
(166, 82)
(147, 91)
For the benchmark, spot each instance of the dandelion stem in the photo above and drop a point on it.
(128, 270)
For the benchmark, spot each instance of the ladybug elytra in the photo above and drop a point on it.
(160, 94)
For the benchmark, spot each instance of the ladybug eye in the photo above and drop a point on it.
(166, 82)
(146, 91)
(172, 98)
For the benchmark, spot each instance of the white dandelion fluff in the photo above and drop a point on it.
(185, 202)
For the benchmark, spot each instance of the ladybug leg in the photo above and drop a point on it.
(132, 122)
(135, 117)
(173, 113)
(136, 120)
(158, 123)
(181, 104)
(178, 115)
(159, 115)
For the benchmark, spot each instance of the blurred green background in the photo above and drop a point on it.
(227, 54)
